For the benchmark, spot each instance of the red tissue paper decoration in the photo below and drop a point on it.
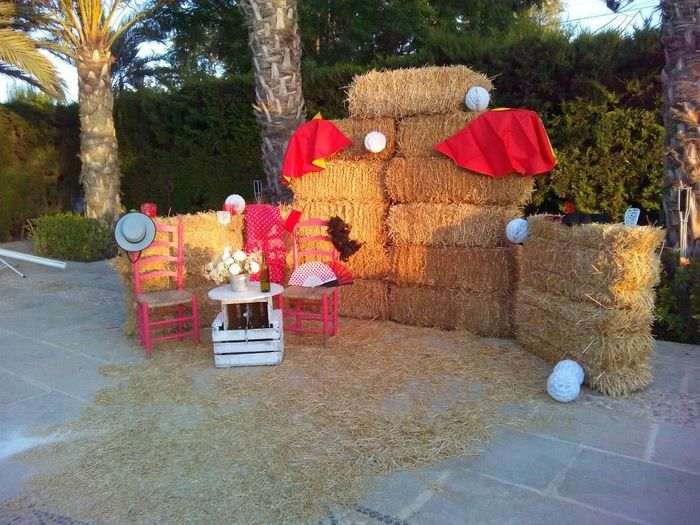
(501, 142)
(264, 232)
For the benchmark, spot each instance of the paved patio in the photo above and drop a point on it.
(598, 460)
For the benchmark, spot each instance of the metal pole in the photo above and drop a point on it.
(4, 264)
(32, 259)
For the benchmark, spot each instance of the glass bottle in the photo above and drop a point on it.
(264, 275)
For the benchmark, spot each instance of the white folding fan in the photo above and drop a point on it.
(312, 274)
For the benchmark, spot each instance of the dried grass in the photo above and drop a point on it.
(361, 180)
(366, 219)
(356, 129)
(365, 299)
(442, 181)
(487, 314)
(178, 441)
(463, 225)
(474, 269)
(417, 136)
(615, 363)
(413, 91)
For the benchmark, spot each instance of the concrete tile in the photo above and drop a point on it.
(692, 383)
(12, 474)
(13, 389)
(675, 352)
(638, 489)
(109, 344)
(38, 320)
(393, 494)
(521, 458)
(22, 355)
(678, 446)
(668, 376)
(47, 409)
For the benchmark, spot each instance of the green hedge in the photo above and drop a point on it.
(71, 237)
(678, 301)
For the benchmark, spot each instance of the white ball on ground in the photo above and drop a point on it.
(569, 366)
(517, 231)
(477, 98)
(375, 141)
(563, 387)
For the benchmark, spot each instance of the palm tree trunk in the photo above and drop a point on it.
(276, 47)
(680, 36)
(98, 141)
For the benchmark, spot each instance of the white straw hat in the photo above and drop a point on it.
(135, 232)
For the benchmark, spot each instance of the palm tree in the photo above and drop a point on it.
(274, 40)
(20, 55)
(83, 32)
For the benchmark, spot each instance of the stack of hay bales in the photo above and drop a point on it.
(451, 266)
(587, 293)
(204, 239)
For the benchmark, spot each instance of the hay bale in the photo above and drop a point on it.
(615, 364)
(474, 269)
(464, 225)
(442, 181)
(412, 91)
(361, 180)
(365, 299)
(356, 129)
(417, 136)
(366, 219)
(601, 277)
(371, 261)
(486, 314)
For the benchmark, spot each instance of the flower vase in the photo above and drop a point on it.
(240, 282)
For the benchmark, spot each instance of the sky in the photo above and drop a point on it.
(592, 15)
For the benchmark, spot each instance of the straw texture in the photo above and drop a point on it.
(365, 299)
(413, 91)
(367, 220)
(463, 225)
(442, 181)
(359, 180)
(417, 136)
(356, 129)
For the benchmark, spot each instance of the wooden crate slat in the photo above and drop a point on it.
(254, 334)
(265, 358)
(249, 347)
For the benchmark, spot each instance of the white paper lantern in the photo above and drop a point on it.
(477, 98)
(234, 204)
(563, 387)
(375, 141)
(569, 366)
(517, 231)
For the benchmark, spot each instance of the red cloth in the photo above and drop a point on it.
(501, 142)
(264, 232)
(292, 219)
(310, 144)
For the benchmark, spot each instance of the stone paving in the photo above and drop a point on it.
(599, 460)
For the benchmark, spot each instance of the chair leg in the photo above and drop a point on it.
(324, 318)
(146, 329)
(139, 323)
(181, 323)
(336, 307)
(195, 321)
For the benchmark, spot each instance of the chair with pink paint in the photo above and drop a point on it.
(170, 307)
(312, 309)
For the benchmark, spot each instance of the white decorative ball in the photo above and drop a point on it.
(477, 98)
(569, 366)
(234, 203)
(563, 387)
(517, 231)
(375, 141)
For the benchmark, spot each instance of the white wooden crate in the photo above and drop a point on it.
(258, 346)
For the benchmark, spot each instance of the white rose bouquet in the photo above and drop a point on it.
(228, 264)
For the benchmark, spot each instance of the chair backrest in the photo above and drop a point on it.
(316, 245)
(163, 258)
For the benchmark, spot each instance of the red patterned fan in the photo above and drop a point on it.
(311, 274)
(342, 274)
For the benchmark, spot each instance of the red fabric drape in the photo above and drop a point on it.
(264, 232)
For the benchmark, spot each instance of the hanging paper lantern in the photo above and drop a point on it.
(375, 141)
(569, 366)
(477, 98)
(563, 387)
(517, 231)
(235, 204)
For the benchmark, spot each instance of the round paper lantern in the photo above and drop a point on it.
(569, 366)
(375, 141)
(477, 98)
(563, 387)
(234, 204)
(517, 231)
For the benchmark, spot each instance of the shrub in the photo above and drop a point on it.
(678, 301)
(71, 237)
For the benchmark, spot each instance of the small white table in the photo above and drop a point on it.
(247, 346)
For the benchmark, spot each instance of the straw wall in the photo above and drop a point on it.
(442, 181)
(417, 136)
(356, 129)
(367, 219)
(359, 180)
(413, 91)
(365, 299)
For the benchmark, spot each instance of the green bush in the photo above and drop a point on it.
(71, 237)
(678, 301)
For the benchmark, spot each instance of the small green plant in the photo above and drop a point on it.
(678, 301)
(71, 237)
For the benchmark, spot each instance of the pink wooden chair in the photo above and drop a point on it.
(168, 305)
(304, 308)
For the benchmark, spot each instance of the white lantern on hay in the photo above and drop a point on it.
(375, 141)
(517, 231)
(569, 366)
(234, 204)
(563, 386)
(477, 98)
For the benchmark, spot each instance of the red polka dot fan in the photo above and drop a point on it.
(312, 274)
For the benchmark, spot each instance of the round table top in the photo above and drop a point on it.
(226, 295)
